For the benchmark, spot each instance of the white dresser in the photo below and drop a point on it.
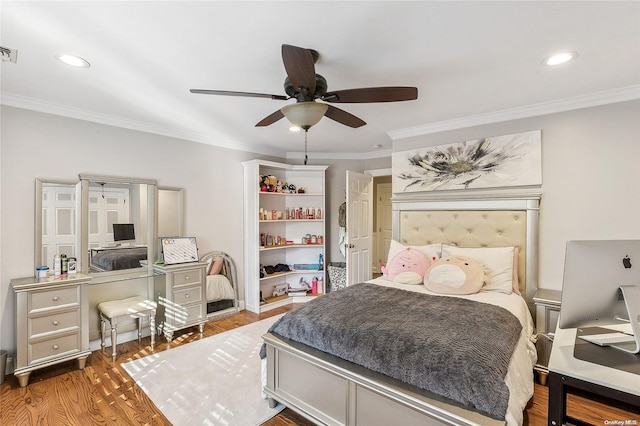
(180, 293)
(51, 322)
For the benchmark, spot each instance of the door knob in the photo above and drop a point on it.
(349, 245)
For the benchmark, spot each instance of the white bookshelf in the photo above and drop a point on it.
(291, 251)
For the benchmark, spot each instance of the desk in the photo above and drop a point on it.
(568, 374)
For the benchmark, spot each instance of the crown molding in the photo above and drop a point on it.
(110, 120)
(585, 101)
(561, 105)
(341, 155)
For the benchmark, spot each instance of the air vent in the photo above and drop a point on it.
(8, 55)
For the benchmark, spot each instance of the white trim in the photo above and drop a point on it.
(584, 101)
(341, 155)
(24, 102)
(378, 172)
(561, 105)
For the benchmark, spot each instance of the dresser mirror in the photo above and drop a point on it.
(56, 204)
(170, 214)
(117, 223)
(77, 219)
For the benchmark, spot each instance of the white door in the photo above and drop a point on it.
(359, 227)
(58, 221)
(384, 222)
(106, 207)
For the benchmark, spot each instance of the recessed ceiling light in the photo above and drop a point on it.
(560, 58)
(74, 61)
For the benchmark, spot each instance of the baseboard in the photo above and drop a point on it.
(125, 336)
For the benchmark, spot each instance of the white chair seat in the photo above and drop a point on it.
(132, 307)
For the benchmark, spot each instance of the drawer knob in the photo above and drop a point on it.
(186, 296)
(186, 278)
(56, 347)
(55, 323)
(55, 298)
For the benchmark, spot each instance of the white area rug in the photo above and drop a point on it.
(214, 381)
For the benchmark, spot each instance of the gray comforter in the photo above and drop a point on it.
(116, 259)
(453, 347)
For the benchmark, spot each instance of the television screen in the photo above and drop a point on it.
(123, 232)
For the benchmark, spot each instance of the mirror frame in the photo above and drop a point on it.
(37, 250)
(83, 222)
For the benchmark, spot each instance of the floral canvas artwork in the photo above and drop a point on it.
(501, 161)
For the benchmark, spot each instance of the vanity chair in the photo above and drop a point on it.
(221, 285)
(133, 307)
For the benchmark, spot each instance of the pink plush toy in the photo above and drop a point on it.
(407, 267)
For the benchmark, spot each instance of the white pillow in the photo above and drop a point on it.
(497, 263)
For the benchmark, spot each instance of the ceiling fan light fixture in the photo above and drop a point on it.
(304, 114)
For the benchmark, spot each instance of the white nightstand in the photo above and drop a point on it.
(180, 293)
(547, 311)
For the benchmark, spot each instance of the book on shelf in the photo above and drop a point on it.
(296, 293)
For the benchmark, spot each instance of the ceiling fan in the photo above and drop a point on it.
(305, 86)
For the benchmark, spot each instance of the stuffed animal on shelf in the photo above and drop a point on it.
(408, 266)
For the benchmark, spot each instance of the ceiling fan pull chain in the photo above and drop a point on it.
(305, 146)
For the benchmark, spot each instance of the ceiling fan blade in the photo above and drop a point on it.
(372, 94)
(343, 117)
(230, 93)
(270, 119)
(298, 62)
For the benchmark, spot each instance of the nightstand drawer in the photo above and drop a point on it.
(194, 312)
(54, 348)
(190, 277)
(187, 295)
(53, 323)
(53, 298)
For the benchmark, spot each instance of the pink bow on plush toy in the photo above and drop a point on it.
(407, 267)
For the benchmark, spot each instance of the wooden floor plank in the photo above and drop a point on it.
(104, 394)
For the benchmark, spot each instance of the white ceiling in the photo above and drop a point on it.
(469, 60)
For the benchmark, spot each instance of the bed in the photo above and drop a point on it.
(114, 259)
(361, 386)
(221, 285)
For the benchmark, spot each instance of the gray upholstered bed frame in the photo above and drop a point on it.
(331, 391)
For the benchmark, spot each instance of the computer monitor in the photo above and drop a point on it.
(124, 233)
(593, 273)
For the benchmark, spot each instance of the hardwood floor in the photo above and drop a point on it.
(104, 394)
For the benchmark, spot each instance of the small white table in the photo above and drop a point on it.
(568, 374)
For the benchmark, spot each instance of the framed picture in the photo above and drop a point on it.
(493, 162)
(179, 250)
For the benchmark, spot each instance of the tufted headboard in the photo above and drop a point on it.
(475, 223)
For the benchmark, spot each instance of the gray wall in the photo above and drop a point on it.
(590, 176)
(590, 181)
(35, 144)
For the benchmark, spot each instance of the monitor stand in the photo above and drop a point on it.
(631, 295)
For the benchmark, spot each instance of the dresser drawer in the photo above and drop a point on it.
(53, 348)
(190, 277)
(184, 315)
(194, 312)
(187, 295)
(55, 322)
(53, 298)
